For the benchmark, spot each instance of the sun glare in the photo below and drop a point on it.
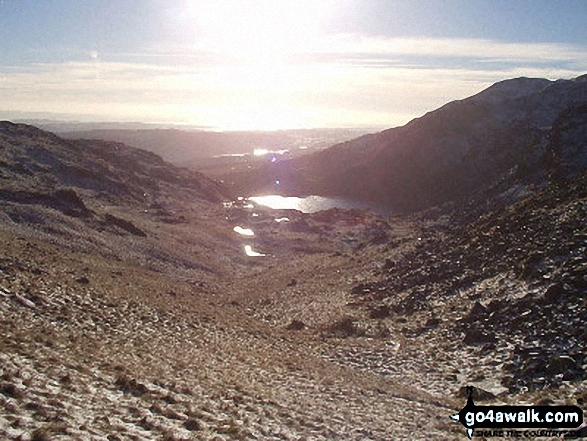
(258, 27)
(257, 80)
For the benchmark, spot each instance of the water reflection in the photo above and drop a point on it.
(244, 231)
(263, 152)
(251, 253)
(278, 202)
(312, 204)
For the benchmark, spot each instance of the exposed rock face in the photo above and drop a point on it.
(518, 131)
(125, 225)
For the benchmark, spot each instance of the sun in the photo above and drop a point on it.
(257, 76)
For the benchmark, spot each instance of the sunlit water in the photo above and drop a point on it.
(243, 231)
(312, 204)
(258, 153)
(251, 253)
(309, 204)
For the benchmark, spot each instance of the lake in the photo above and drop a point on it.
(312, 204)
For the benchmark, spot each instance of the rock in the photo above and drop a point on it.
(380, 312)
(125, 225)
(361, 289)
(4, 293)
(532, 267)
(509, 382)
(554, 293)
(477, 309)
(296, 325)
(131, 386)
(432, 323)
(561, 365)
(478, 394)
(23, 301)
(389, 264)
(192, 425)
(379, 238)
(488, 347)
(67, 201)
(346, 327)
(476, 336)
(579, 282)
(495, 305)
(579, 433)
(381, 331)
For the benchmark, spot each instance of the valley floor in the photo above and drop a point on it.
(303, 343)
(96, 350)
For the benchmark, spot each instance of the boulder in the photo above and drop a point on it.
(296, 325)
(477, 336)
(561, 365)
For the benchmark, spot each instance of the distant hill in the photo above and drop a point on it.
(34, 160)
(519, 131)
(186, 147)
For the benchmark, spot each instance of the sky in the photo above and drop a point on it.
(274, 64)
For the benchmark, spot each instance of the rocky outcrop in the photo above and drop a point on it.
(65, 200)
(125, 225)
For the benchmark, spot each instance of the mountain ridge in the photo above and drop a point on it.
(92, 165)
(462, 148)
(190, 147)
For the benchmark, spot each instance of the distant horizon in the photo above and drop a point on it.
(88, 120)
(267, 65)
(154, 125)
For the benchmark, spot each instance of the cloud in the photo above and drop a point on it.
(451, 47)
(335, 80)
(337, 48)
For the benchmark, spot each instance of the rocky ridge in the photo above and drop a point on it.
(101, 197)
